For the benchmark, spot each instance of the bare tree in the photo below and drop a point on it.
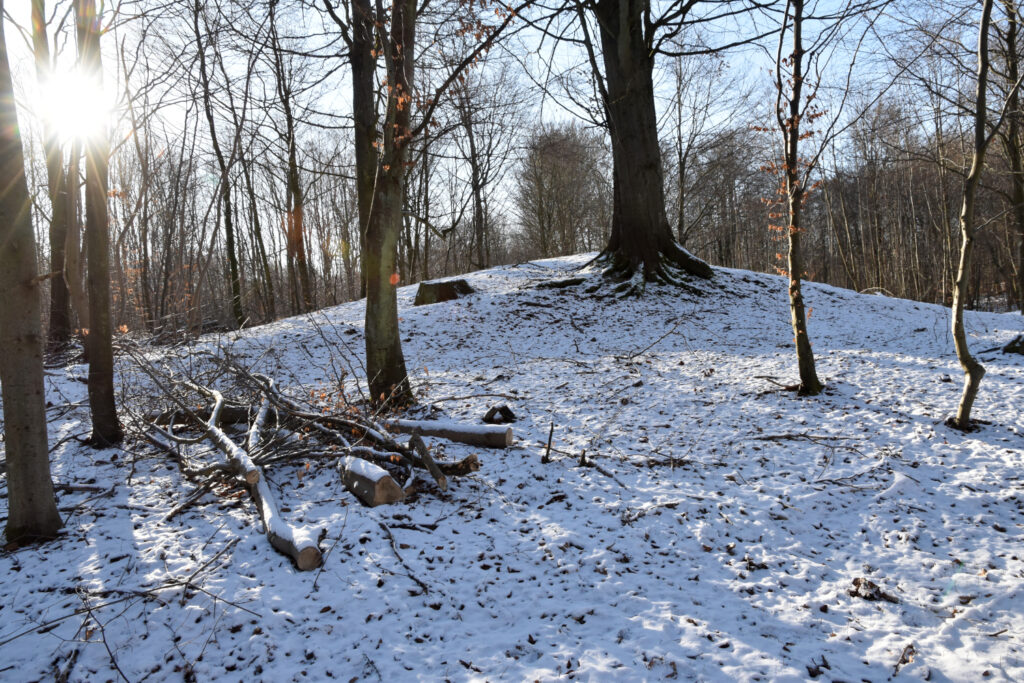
(106, 429)
(983, 134)
(31, 504)
(792, 110)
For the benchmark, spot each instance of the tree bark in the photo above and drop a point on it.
(641, 239)
(32, 509)
(74, 269)
(384, 177)
(1013, 144)
(59, 331)
(364, 118)
(225, 181)
(795, 195)
(973, 370)
(106, 429)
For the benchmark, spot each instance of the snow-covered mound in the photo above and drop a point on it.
(716, 536)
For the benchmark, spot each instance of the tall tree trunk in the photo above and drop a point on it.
(32, 508)
(60, 306)
(973, 370)
(385, 363)
(106, 429)
(295, 224)
(225, 180)
(1013, 143)
(795, 194)
(74, 268)
(257, 233)
(364, 119)
(641, 240)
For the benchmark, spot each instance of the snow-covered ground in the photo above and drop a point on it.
(718, 538)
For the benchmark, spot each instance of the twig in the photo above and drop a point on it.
(547, 453)
(394, 548)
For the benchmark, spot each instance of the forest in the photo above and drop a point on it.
(527, 340)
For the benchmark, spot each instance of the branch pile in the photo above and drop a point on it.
(373, 464)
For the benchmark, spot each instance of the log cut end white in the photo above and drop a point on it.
(369, 483)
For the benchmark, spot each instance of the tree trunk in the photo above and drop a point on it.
(973, 370)
(1013, 145)
(225, 182)
(364, 119)
(641, 240)
(106, 430)
(32, 509)
(60, 306)
(795, 194)
(385, 179)
(74, 269)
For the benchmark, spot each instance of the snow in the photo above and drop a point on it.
(366, 470)
(716, 537)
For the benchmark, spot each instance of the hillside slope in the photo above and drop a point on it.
(717, 538)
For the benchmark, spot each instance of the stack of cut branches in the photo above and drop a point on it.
(374, 465)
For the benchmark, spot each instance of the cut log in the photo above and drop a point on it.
(484, 436)
(1016, 345)
(370, 484)
(441, 290)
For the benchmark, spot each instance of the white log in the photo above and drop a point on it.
(485, 436)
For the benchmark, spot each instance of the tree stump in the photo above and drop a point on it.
(1016, 345)
(441, 290)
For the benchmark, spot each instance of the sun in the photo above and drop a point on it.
(75, 105)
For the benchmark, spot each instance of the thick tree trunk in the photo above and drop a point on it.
(106, 429)
(1013, 145)
(641, 240)
(32, 509)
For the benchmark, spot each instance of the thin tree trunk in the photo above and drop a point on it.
(32, 508)
(225, 181)
(74, 268)
(60, 306)
(795, 193)
(106, 429)
(973, 370)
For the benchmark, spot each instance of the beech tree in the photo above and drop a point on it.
(375, 33)
(32, 508)
(631, 34)
(106, 429)
(59, 330)
(794, 109)
(983, 135)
